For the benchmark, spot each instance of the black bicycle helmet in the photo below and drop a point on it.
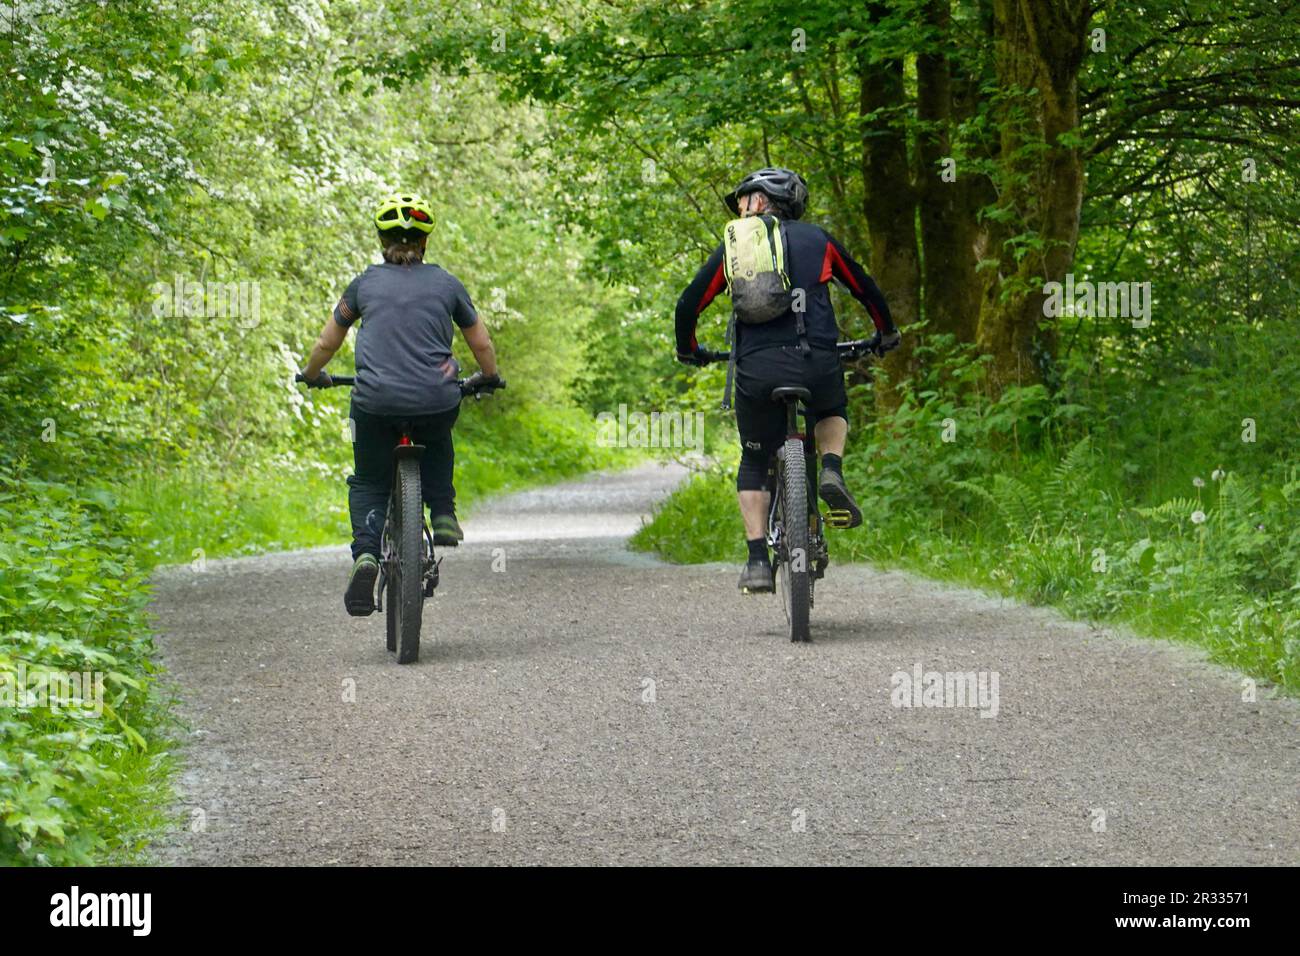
(784, 187)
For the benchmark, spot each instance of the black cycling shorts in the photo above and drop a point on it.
(760, 420)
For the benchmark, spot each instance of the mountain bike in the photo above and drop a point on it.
(408, 566)
(795, 525)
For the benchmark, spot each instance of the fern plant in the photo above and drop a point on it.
(1054, 506)
(1175, 511)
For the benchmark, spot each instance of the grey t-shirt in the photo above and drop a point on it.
(404, 361)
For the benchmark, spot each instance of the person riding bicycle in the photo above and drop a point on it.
(785, 352)
(406, 375)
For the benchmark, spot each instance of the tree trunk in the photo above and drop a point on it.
(889, 205)
(950, 231)
(1038, 49)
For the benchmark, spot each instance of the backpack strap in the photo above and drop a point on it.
(777, 243)
(800, 326)
(731, 362)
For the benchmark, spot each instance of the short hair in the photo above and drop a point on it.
(403, 246)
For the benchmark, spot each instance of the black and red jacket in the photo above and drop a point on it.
(813, 258)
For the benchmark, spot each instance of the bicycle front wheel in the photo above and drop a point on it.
(793, 569)
(406, 588)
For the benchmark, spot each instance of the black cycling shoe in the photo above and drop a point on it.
(446, 531)
(756, 578)
(359, 599)
(844, 511)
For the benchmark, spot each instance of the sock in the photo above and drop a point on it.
(832, 463)
(758, 549)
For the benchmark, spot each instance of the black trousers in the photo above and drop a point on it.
(371, 482)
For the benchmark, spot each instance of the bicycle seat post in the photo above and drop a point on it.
(792, 396)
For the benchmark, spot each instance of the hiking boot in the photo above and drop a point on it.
(359, 599)
(756, 578)
(446, 531)
(844, 511)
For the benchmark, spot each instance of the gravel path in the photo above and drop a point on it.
(579, 704)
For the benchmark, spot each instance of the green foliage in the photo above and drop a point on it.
(1050, 506)
(525, 445)
(75, 786)
(193, 515)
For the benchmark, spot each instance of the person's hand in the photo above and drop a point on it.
(322, 380)
(880, 344)
(696, 358)
(478, 382)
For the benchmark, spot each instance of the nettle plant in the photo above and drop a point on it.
(77, 607)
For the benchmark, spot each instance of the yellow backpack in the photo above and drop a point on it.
(753, 262)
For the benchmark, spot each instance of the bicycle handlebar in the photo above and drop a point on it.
(334, 380)
(473, 385)
(849, 350)
(478, 386)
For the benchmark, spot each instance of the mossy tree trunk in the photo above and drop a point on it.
(1038, 50)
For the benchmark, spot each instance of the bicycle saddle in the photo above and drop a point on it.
(790, 391)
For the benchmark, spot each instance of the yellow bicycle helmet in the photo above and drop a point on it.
(404, 211)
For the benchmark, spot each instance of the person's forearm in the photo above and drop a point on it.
(486, 356)
(320, 356)
(706, 285)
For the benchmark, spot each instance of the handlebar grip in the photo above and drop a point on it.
(469, 387)
(857, 348)
(336, 379)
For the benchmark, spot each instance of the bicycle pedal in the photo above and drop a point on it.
(431, 578)
(839, 518)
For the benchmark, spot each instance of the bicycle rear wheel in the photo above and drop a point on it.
(792, 511)
(405, 590)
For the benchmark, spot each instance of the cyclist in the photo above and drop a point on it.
(776, 354)
(405, 374)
